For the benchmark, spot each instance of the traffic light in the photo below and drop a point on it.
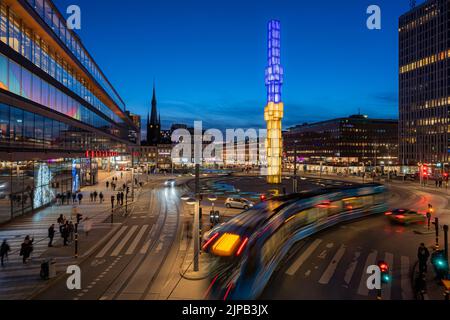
(262, 197)
(384, 268)
(425, 171)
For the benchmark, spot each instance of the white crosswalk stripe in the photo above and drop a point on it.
(124, 241)
(405, 280)
(371, 259)
(136, 240)
(331, 269)
(303, 257)
(111, 242)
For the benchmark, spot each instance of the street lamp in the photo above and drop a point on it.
(192, 200)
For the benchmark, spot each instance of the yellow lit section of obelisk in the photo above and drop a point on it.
(273, 114)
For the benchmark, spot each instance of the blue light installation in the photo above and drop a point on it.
(274, 71)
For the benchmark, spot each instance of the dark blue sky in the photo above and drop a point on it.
(208, 57)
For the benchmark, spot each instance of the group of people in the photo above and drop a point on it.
(439, 182)
(65, 197)
(113, 183)
(95, 194)
(66, 229)
(25, 250)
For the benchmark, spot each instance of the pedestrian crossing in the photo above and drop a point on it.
(343, 268)
(128, 240)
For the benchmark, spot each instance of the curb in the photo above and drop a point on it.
(80, 260)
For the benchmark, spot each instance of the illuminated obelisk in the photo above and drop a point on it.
(273, 113)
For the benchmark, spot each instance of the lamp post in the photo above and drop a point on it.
(196, 203)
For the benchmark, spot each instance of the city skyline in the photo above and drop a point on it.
(183, 57)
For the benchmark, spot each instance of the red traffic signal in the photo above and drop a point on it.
(263, 197)
(383, 266)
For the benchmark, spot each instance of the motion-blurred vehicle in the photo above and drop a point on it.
(239, 203)
(170, 183)
(406, 216)
(245, 251)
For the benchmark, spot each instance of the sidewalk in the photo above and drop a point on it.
(18, 281)
(435, 289)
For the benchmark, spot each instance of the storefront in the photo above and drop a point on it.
(30, 185)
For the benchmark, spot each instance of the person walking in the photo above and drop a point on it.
(71, 229)
(95, 196)
(74, 197)
(80, 197)
(68, 196)
(429, 213)
(101, 197)
(423, 254)
(63, 198)
(91, 196)
(65, 234)
(60, 222)
(51, 235)
(26, 249)
(87, 226)
(112, 202)
(122, 195)
(4, 249)
(107, 184)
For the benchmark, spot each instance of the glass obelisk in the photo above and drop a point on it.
(273, 112)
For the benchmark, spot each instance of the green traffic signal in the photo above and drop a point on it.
(386, 278)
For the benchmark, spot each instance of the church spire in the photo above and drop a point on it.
(154, 114)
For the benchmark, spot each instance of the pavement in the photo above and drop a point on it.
(19, 281)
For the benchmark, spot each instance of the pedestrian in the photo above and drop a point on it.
(4, 249)
(429, 212)
(87, 226)
(114, 186)
(101, 197)
(71, 228)
(95, 196)
(124, 186)
(118, 198)
(51, 235)
(440, 182)
(58, 198)
(112, 202)
(79, 217)
(68, 196)
(60, 222)
(26, 249)
(91, 196)
(121, 198)
(80, 197)
(107, 184)
(121, 175)
(423, 254)
(65, 234)
(63, 198)
(436, 181)
(74, 197)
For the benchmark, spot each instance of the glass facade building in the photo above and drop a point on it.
(55, 105)
(424, 84)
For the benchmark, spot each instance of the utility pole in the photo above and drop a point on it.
(196, 218)
(446, 242)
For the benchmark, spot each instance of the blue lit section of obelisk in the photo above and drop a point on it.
(273, 113)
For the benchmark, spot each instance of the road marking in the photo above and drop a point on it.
(386, 291)
(136, 240)
(145, 247)
(124, 241)
(331, 269)
(371, 260)
(303, 257)
(105, 249)
(351, 268)
(405, 279)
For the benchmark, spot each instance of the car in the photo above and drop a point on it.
(239, 203)
(170, 183)
(406, 216)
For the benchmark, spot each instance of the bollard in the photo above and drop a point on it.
(76, 245)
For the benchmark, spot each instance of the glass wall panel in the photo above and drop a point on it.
(14, 77)
(3, 72)
(16, 126)
(39, 131)
(4, 124)
(26, 84)
(28, 128)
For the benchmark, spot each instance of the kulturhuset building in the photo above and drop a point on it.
(61, 120)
